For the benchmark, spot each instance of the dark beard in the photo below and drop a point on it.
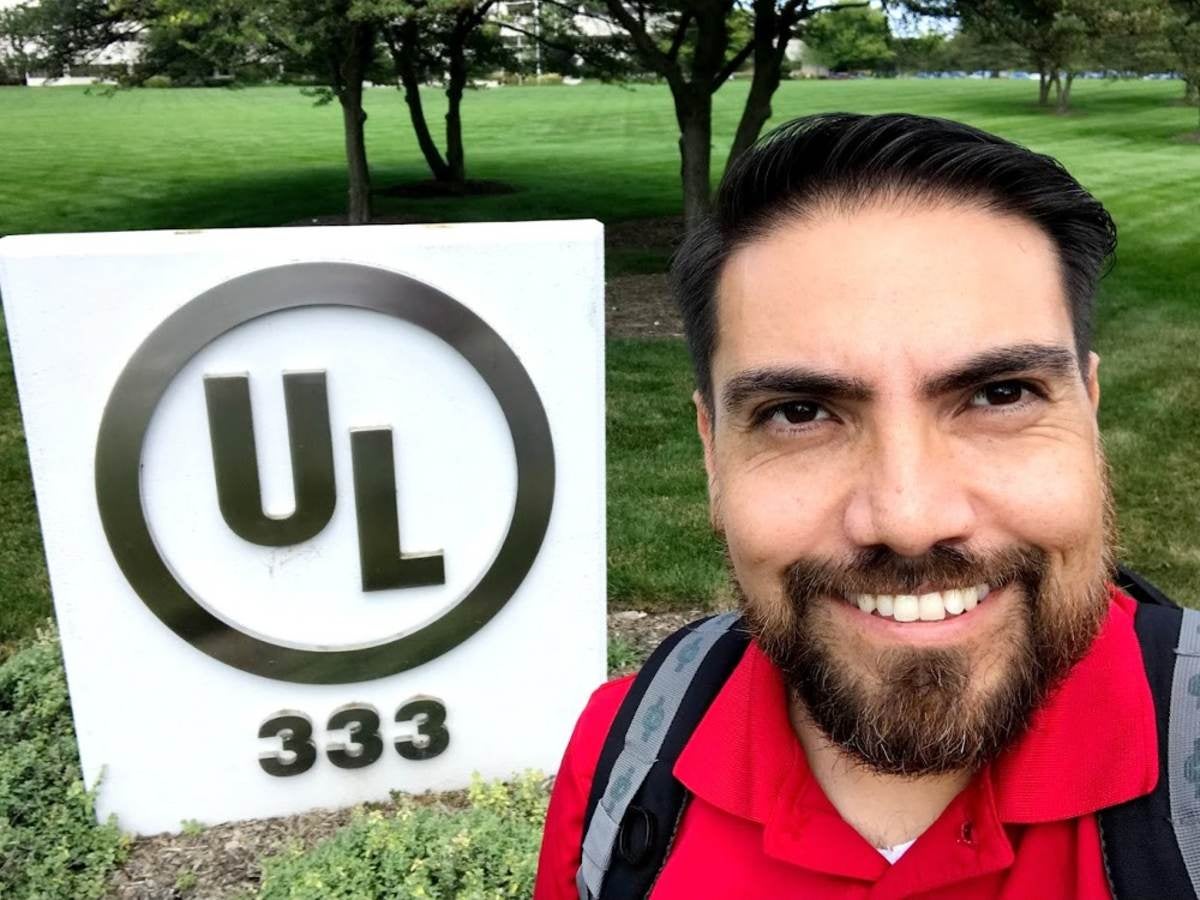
(914, 711)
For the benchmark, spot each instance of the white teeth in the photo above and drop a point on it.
(932, 607)
(906, 608)
(955, 602)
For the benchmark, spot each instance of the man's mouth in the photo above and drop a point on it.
(930, 607)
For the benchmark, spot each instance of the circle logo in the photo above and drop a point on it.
(163, 354)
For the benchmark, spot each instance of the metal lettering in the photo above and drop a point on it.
(365, 745)
(235, 458)
(432, 736)
(381, 561)
(298, 753)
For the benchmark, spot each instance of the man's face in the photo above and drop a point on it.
(899, 427)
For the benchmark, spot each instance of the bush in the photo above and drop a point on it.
(50, 844)
(157, 81)
(487, 850)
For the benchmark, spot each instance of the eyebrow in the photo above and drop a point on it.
(818, 384)
(990, 365)
(792, 380)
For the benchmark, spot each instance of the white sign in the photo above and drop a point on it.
(323, 508)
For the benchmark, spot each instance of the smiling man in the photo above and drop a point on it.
(935, 688)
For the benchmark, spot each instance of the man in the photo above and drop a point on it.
(890, 320)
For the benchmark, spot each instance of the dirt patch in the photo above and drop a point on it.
(663, 233)
(640, 306)
(217, 862)
(644, 631)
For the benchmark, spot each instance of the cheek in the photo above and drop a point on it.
(1054, 500)
(773, 514)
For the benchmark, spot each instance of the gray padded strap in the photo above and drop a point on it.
(647, 730)
(1183, 745)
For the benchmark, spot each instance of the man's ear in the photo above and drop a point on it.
(1093, 380)
(704, 427)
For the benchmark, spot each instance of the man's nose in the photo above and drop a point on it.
(910, 493)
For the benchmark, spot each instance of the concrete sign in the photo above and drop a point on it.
(323, 508)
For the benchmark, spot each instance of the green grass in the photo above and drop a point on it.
(214, 158)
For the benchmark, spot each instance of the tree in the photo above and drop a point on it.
(17, 48)
(775, 24)
(432, 37)
(63, 33)
(692, 46)
(1061, 37)
(335, 39)
(921, 53)
(1182, 29)
(854, 40)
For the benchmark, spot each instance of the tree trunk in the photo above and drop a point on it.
(358, 208)
(1043, 87)
(693, 111)
(404, 47)
(1064, 93)
(1191, 92)
(769, 51)
(455, 157)
(349, 67)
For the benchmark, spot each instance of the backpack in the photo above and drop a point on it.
(1150, 845)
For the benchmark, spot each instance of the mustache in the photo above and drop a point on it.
(880, 570)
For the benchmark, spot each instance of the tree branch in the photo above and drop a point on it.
(651, 54)
(732, 66)
(680, 35)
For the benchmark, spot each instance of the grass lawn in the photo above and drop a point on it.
(214, 158)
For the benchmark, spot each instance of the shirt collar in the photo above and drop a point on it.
(1091, 745)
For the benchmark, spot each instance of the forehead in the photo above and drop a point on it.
(889, 290)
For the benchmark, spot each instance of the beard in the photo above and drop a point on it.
(920, 711)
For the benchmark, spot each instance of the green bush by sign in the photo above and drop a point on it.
(486, 850)
(50, 844)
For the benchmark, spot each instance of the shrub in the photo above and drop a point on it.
(486, 850)
(157, 81)
(50, 843)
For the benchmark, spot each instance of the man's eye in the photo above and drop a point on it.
(796, 412)
(1000, 393)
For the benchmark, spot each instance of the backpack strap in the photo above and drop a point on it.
(1142, 590)
(635, 802)
(1151, 845)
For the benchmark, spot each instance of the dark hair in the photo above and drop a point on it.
(845, 161)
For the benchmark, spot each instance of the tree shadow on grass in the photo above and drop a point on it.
(301, 196)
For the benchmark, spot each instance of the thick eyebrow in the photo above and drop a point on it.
(792, 381)
(1002, 362)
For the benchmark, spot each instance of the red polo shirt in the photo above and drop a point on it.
(759, 824)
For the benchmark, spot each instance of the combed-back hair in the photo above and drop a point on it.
(844, 162)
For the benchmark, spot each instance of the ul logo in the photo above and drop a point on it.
(235, 461)
(151, 370)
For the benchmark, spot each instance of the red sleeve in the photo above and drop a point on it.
(559, 859)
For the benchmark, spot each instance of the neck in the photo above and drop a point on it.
(885, 809)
